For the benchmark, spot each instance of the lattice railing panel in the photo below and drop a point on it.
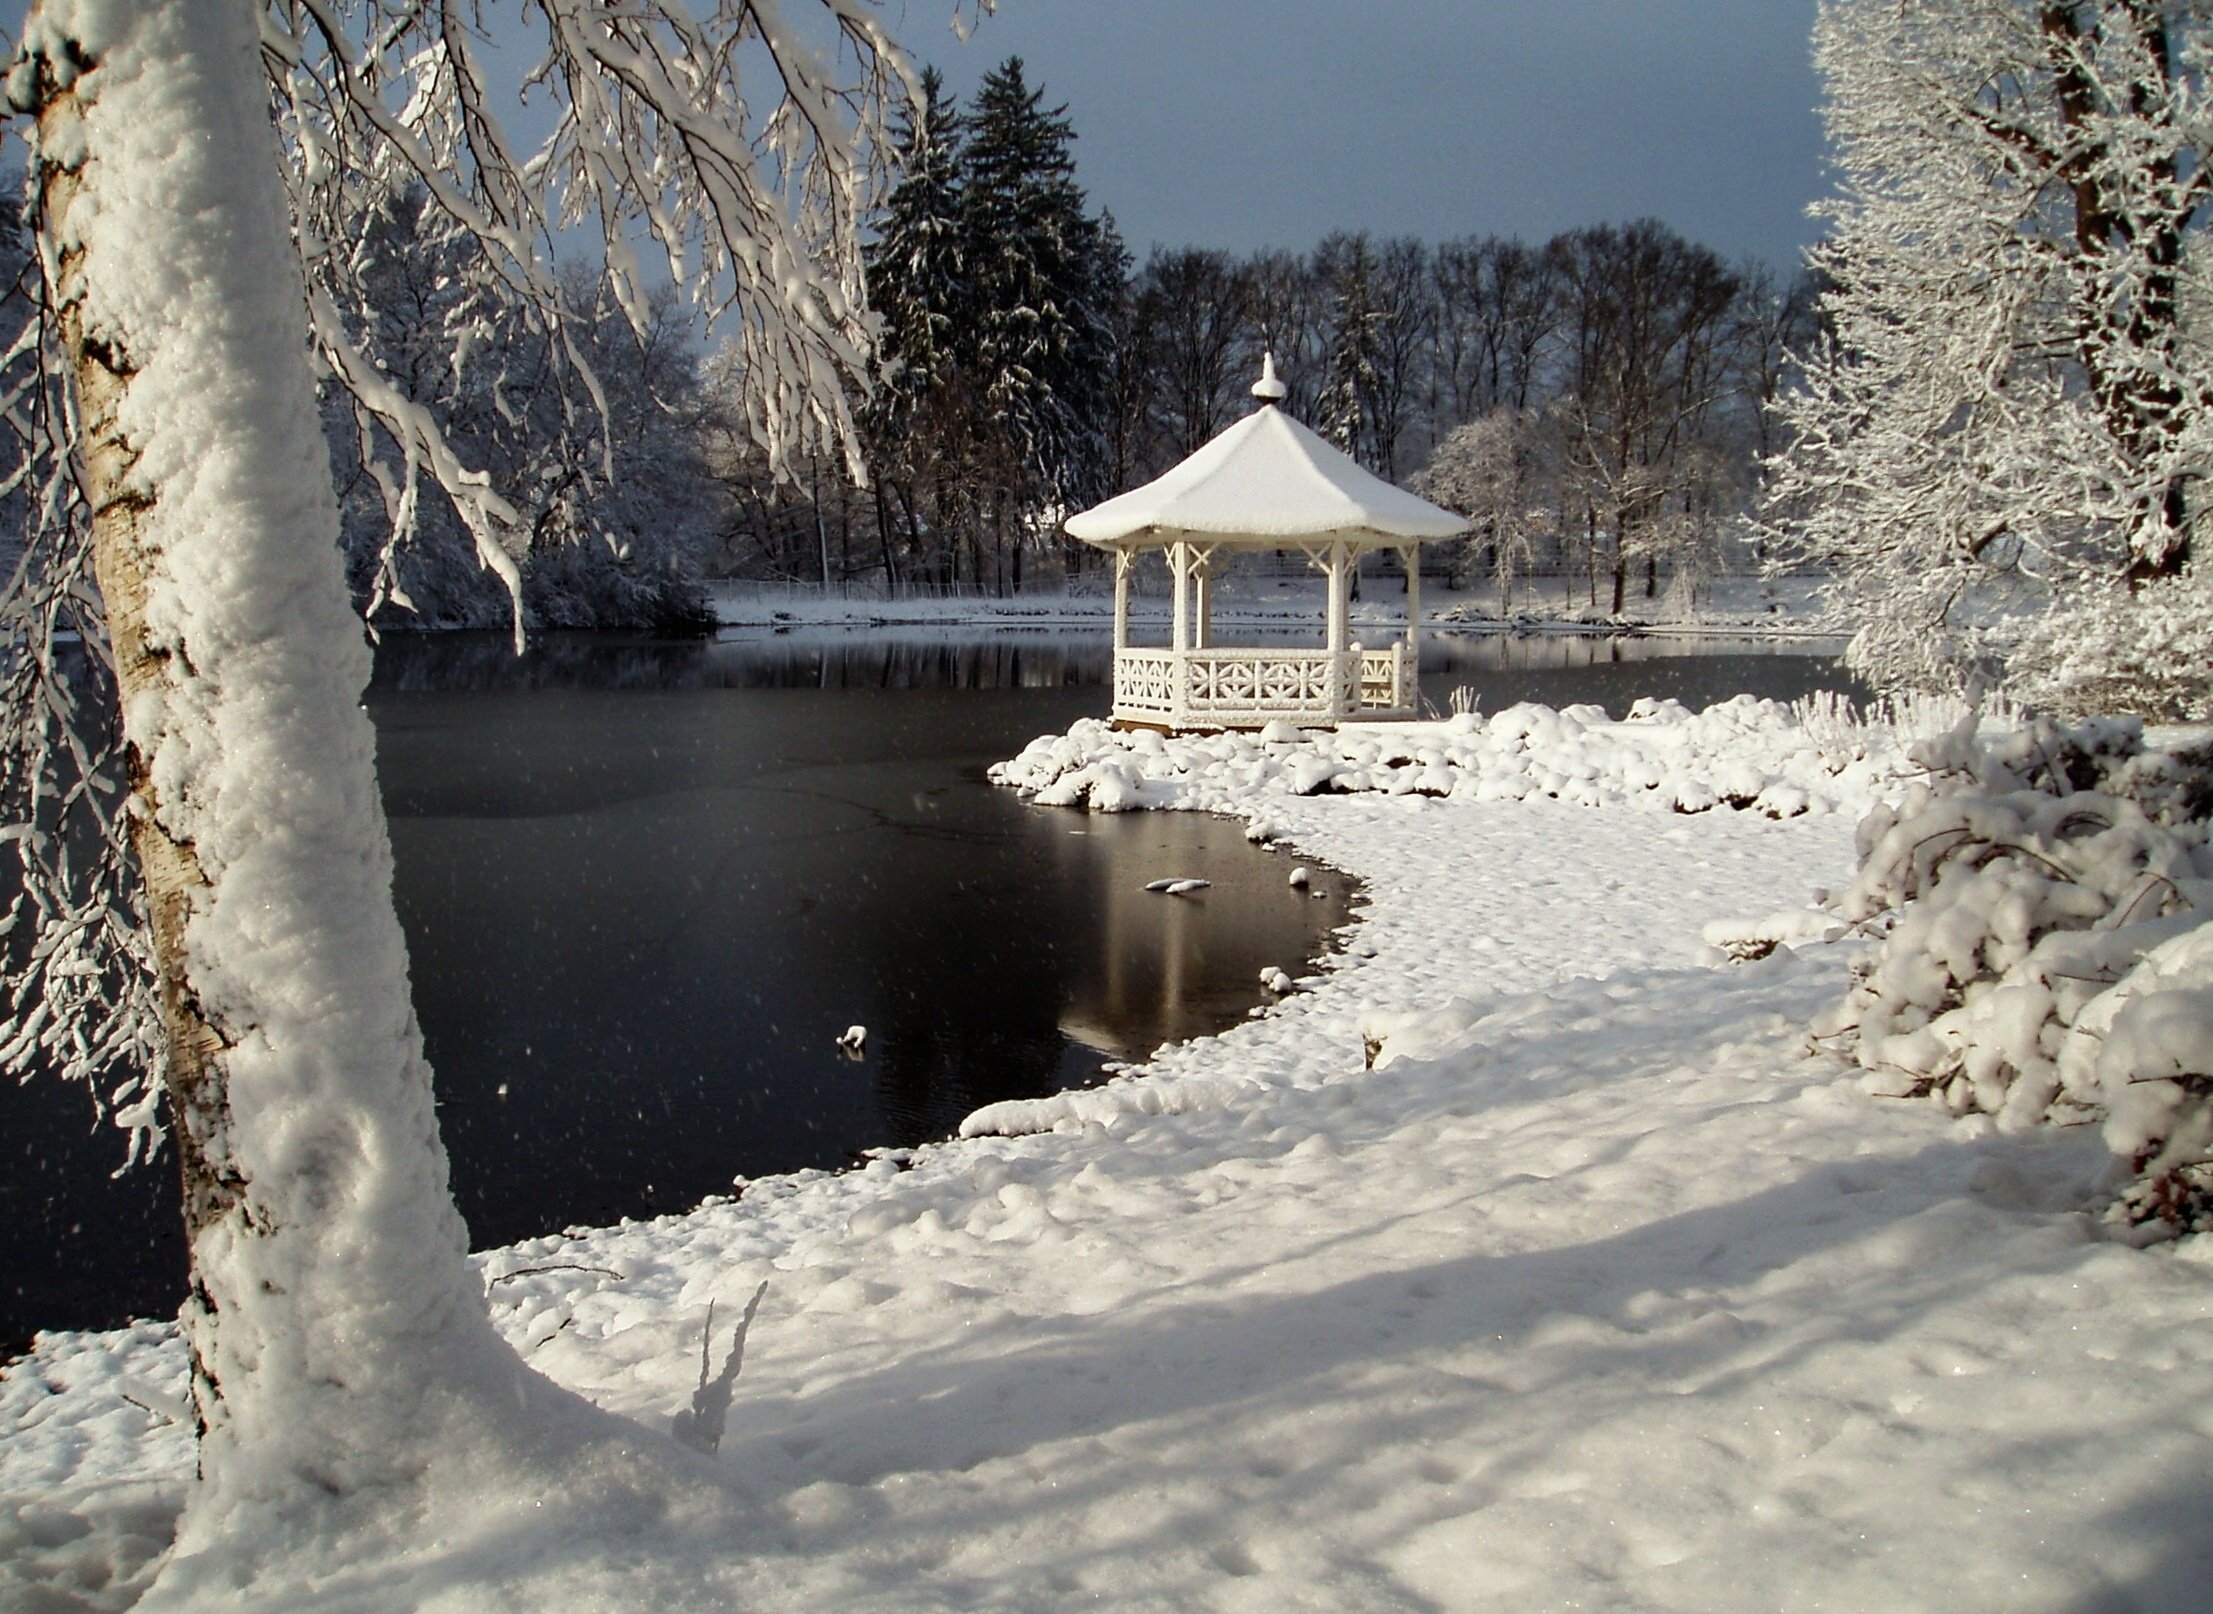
(1240, 682)
(1246, 688)
(1387, 680)
(1145, 682)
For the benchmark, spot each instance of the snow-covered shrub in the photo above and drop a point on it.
(2044, 904)
(1844, 732)
(2120, 649)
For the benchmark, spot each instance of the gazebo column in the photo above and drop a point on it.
(1123, 561)
(1179, 573)
(1339, 707)
(1334, 567)
(1202, 585)
(1411, 660)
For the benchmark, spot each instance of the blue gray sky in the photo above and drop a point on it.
(1253, 123)
(1256, 123)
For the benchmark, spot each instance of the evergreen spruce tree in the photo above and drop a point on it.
(1346, 266)
(1035, 258)
(917, 269)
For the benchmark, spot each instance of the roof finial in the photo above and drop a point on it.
(1268, 389)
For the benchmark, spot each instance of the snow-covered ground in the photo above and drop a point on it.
(1601, 1289)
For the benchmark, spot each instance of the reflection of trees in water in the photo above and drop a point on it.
(420, 663)
(1540, 652)
(1616, 671)
(1027, 661)
(424, 662)
(1714, 667)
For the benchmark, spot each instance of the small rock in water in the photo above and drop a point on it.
(1277, 980)
(1177, 886)
(1300, 879)
(853, 1041)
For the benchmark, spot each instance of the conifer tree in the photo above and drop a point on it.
(1346, 266)
(1035, 258)
(917, 268)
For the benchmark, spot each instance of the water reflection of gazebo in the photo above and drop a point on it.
(1266, 483)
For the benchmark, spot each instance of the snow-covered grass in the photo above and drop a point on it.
(1602, 1288)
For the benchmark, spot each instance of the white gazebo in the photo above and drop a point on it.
(1266, 483)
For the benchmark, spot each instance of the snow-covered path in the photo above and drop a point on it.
(1599, 1292)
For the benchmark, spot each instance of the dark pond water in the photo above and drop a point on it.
(647, 883)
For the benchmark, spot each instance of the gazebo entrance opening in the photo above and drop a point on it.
(1194, 681)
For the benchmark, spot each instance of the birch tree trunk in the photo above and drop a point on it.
(333, 1315)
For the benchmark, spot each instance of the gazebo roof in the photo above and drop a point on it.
(1265, 483)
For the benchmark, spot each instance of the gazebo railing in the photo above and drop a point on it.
(1225, 688)
(1386, 680)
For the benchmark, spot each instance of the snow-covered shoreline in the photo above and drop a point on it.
(1751, 607)
(1600, 1289)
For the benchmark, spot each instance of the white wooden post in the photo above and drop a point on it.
(1202, 578)
(1179, 570)
(1339, 672)
(1123, 560)
(1412, 556)
(1337, 624)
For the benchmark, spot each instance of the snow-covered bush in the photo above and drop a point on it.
(2115, 648)
(2045, 911)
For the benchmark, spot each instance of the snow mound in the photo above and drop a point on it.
(1762, 756)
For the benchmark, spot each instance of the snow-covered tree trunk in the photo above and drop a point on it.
(333, 1312)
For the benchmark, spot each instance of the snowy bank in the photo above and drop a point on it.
(1602, 1287)
(1788, 608)
(1774, 759)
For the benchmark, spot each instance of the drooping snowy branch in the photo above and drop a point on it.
(752, 203)
(79, 1000)
(739, 145)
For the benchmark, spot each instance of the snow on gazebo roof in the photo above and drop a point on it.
(1266, 482)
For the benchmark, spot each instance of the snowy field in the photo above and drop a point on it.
(1602, 1289)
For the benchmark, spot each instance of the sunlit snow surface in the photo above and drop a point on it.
(1600, 1291)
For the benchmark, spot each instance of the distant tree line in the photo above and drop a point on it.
(1596, 402)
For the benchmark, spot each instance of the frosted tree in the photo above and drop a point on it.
(1646, 324)
(1291, 319)
(1500, 471)
(1495, 312)
(1382, 300)
(2012, 416)
(617, 503)
(177, 488)
(919, 417)
(1345, 267)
